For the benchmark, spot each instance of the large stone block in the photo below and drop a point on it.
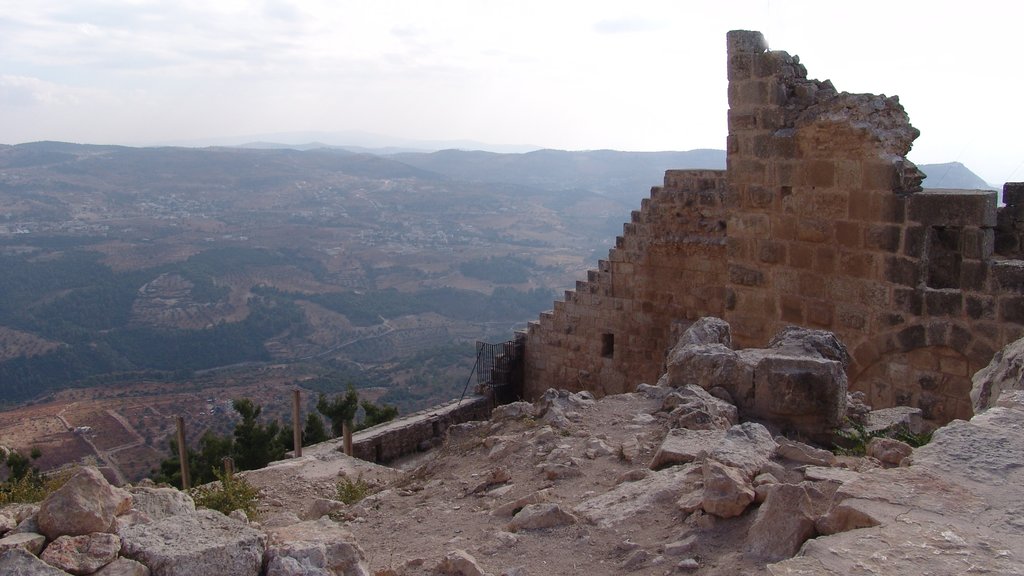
(205, 543)
(954, 208)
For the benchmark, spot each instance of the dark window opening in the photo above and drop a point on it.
(944, 257)
(607, 345)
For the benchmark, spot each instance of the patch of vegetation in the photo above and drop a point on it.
(499, 269)
(25, 484)
(227, 494)
(854, 438)
(352, 491)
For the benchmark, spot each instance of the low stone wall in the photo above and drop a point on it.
(418, 431)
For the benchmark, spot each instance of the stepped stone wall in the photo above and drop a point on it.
(819, 220)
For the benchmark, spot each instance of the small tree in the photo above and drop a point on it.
(376, 414)
(255, 444)
(314, 432)
(341, 411)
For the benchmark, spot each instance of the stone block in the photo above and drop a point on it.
(884, 237)
(904, 271)
(818, 173)
(1011, 309)
(1013, 193)
(817, 231)
(745, 41)
(848, 234)
(954, 208)
(948, 302)
(825, 260)
(978, 243)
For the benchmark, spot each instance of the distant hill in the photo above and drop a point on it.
(952, 175)
(623, 176)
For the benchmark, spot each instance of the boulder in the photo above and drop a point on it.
(540, 516)
(19, 562)
(727, 492)
(800, 341)
(206, 543)
(694, 408)
(123, 567)
(798, 383)
(30, 541)
(513, 411)
(460, 563)
(747, 446)
(706, 330)
(317, 544)
(889, 450)
(628, 502)
(158, 503)
(783, 523)
(803, 453)
(7, 523)
(1003, 373)
(86, 503)
(895, 419)
(711, 365)
(511, 508)
(319, 507)
(288, 566)
(82, 554)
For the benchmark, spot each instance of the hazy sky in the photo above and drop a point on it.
(637, 75)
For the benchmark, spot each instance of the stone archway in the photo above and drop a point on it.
(928, 366)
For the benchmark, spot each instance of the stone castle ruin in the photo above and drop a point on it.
(819, 220)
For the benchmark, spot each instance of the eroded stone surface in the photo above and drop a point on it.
(205, 543)
(86, 503)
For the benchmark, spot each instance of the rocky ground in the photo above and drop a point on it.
(665, 480)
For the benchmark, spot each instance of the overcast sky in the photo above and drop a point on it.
(588, 74)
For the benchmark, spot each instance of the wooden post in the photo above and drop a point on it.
(186, 481)
(229, 466)
(296, 424)
(346, 434)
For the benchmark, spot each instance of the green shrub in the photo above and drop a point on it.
(352, 491)
(228, 494)
(32, 487)
(854, 439)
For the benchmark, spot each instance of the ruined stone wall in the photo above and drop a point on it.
(825, 226)
(416, 432)
(612, 331)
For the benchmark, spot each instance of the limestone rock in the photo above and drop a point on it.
(322, 507)
(783, 523)
(123, 567)
(460, 563)
(656, 392)
(19, 562)
(889, 450)
(693, 408)
(706, 330)
(629, 501)
(513, 411)
(897, 418)
(158, 503)
(206, 543)
(681, 547)
(727, 493)
(288, 566)
(800, 341)
(595, 448)
(511, 508)
(86, 503)
(317, 544)
(798, 382)
(1005, 372)
(7, 523)
(82, 554)
(803, 453)
(30, 541)
(540, 516)
(747, 446)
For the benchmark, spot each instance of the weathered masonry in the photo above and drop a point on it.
(819, 220)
